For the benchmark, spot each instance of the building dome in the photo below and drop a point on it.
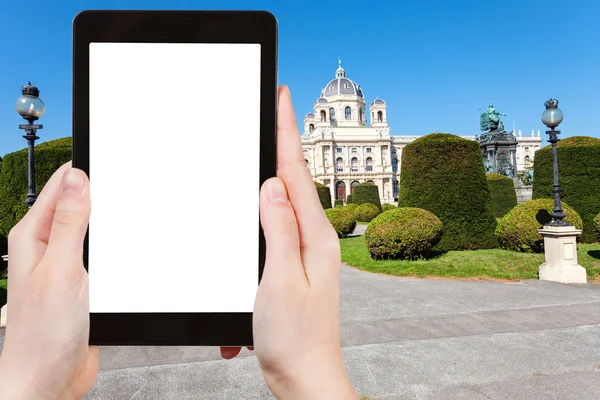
(310, 116)
(341, 85)
(378, 101)
(322, 100)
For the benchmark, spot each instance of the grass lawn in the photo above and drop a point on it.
(495, 263)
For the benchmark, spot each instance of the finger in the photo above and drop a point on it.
(230, 352)
(29, 238)
(283, 261)
(316, 233)
(71, 218)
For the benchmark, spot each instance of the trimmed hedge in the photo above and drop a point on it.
(579, 174)
(518, 230)
(342, 221)
(366, 212)
(403, 233)
(597, 226)
(367, 193)
(49, 156)
(503, 194)
(339, 203)
(387, 207)
(351, 208)
(324, 195)
(349, 199)
(443, 174)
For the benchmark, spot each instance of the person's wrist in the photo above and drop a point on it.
(324, 378)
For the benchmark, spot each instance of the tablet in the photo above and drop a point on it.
(174, 122)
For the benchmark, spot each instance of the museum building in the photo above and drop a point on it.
(345, 144)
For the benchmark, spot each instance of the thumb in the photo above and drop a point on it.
(71, 218)
(278, 220)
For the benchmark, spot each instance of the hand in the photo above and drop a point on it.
(46, 353)
(296, 313)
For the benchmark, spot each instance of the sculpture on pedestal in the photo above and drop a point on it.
(498, 146)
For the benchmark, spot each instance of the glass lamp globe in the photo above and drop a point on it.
(552, 116)
(29, 105)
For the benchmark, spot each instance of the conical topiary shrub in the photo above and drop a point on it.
(444, 174)
(579, 178)
(503, 194)
(324, 195)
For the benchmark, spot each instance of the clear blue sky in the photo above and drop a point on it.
(436, 63)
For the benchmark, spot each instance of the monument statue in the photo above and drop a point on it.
(488, 165)
(490, 121)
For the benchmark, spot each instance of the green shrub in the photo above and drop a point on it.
(579, 174)
(349, 199)
(597, 227)
(386, 207)
(503, 194)
(367, 193)
(444, 174)
(3, 292)
(324, 195)
(366, 212)
(49, 156)
(342, 221)
(518, 230)
(339, 203)
(351, 208)
(403, 233)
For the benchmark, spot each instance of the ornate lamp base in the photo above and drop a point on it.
(560, 248)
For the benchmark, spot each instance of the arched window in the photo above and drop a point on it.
(396, 189)
(306, 161)
(340, 190)
(394, 164)
(339, 165)
(323, 116)
(353, 185)
(527, 162)
(311, 128)
(372, 116)
(360, 114)
(369, 164)
(331, 114)
(348, 112)
(379, 116)
(354, 164)
(371, 182)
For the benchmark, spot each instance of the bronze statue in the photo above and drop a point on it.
(490, 121)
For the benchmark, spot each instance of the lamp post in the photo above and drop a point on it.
(31, 108)
(560, 237)
(552, 117)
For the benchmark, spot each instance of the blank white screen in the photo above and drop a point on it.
(174, 177)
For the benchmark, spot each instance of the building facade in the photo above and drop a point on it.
(347, 141)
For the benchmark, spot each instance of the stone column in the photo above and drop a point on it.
(514, 157)
(560, 249)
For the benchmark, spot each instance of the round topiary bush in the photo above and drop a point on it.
(324, 195)
(351, 208)
(579, 174)
(518, 230)
(366, 212)
(387, 207)
(339, 203)
(503, 194)
(597, 227)
(49, 156)
(403, 233)
(367, 193)
(342, 221)
(444, 174)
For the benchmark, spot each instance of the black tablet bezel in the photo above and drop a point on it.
(200, 329)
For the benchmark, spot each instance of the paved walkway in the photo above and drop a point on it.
(406, 339)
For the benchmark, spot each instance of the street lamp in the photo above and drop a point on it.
(552, 117)
(31, 108)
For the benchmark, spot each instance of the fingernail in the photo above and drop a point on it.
(72, 182)
(276, 191)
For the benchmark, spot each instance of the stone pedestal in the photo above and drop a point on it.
(3, 316)
(560, 247)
